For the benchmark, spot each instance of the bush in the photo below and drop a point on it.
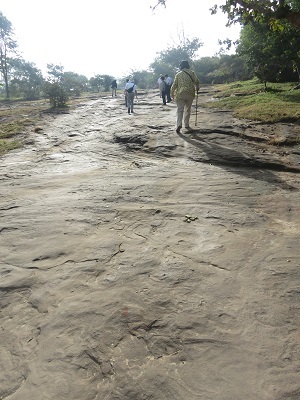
(57, 94)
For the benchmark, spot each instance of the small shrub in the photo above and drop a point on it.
(57, 94)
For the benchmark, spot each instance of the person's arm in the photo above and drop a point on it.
(197, 83)
(173, 87)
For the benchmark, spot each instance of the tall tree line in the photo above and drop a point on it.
(268, 48)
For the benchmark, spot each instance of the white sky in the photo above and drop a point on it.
(110, 36)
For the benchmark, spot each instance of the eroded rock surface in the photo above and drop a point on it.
(141, 264)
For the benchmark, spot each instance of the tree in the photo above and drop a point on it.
(74, 83)
(8, 46)
(106, 79)
(168, 60)
(57, 95)
(267, 10)
(71, 82)
(204, 67)
(271, 54)
(96, 82)
(27, 79)
(55, 72)
(54, 88)
(101, 82)
(144, 79)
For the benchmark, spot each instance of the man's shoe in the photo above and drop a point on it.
(189, 129)
(178, 129)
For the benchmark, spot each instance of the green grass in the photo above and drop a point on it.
(16, 117)
(13, 128)
(248, 100)
(7, 145)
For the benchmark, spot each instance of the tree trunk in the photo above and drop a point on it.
(298, 69)
(4, 71)
(294, 18)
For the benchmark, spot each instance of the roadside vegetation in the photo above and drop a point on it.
(278, 103)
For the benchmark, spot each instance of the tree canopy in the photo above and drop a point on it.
(264, 10)
(168, 60)
(270, 54)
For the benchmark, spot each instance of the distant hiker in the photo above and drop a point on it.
(168, 81)
(125, 93)
(163, 88)
(114, 88)
(183, 90)
(130, 92)
(159, 85)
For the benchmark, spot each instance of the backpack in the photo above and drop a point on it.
(130, 90)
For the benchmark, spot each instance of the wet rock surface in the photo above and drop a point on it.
(141, 264)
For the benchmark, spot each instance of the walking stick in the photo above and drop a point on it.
(196, 109)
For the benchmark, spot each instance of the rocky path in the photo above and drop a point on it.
(137, 264)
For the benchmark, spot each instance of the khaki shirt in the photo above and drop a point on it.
(184, 83)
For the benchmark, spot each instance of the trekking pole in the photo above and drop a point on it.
(196, 109)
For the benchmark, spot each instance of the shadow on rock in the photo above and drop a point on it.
(213, 153)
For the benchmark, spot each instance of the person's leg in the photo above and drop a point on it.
(180, 108)
(125, 100)
(168, 94)
(163, 95)
(132, 101)
(130, 97)
(188, 101)
(128, 102)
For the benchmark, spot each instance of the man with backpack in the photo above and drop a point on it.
(130, 91)
(183, 90)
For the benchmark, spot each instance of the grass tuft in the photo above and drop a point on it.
(8, 145)
(247, 100)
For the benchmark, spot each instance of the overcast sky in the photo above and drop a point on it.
(110, 36)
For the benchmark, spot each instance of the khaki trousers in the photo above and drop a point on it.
(130, 100)
(184, 105)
